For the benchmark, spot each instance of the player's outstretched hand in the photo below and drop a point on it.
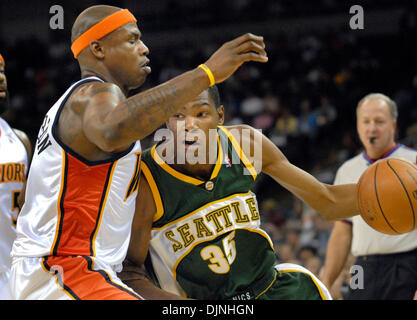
(231, 55)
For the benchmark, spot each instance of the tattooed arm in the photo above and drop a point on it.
(112, 122)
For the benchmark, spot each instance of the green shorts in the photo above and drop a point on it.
(294, 282)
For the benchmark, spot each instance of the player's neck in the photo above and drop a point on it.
(87, 72)
(199, 171)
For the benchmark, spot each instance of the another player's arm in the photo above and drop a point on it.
(113, 123)
(133, 274)
(337, 251)
(28, 146)
(332, 202)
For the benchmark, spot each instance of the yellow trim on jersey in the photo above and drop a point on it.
(184, 177)
(64, 164)
(219, 161)
(261, 232)
(201, 208)
(172, 171)
(155, 192)
(108, 186)
(322, 295)
(135, 177)
(239, 151)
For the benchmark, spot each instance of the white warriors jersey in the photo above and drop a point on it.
(74, 206)
(13, 168)
(365, 240)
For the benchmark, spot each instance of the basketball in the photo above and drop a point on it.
(387, 196)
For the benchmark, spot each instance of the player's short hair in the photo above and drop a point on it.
(391, 103)
(213, 92)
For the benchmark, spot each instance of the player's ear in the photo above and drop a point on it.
(220, 112)
(97, 49)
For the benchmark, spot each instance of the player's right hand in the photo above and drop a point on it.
(231, 55)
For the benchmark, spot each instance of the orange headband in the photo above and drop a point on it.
(101, 29)
(2, 60)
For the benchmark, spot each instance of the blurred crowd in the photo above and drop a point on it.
(303, 99)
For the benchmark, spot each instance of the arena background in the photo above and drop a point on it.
(304, 98)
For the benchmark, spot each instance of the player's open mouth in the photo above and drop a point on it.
(145, 66)
(189, 143)
(2, 93)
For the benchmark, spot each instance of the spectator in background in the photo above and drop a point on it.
(323, 231)
(285, 253)
(271, 212)
(307, 121)
(326, 115)
(308, 129)
(285, 131)
(264, 121)
(272, 103)
(251, 106)
(306, 252)
(313, 264)
(292, 236)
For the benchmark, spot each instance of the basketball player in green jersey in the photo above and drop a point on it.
(199, 220)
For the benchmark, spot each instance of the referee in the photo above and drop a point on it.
(389, 263)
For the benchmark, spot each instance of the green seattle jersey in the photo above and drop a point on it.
(206, 240)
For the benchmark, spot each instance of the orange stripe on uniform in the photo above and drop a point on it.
(76, 276)
(82, 198)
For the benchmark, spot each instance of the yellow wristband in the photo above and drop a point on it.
(209, 74)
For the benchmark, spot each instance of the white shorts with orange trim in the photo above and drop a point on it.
(66, 278)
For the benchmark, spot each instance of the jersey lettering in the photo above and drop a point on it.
(214, 222)
(43, 137)
(134, 182)
(12, 172)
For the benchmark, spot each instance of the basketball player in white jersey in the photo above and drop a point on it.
(388, 262)
(15, 149)
(73, 231)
